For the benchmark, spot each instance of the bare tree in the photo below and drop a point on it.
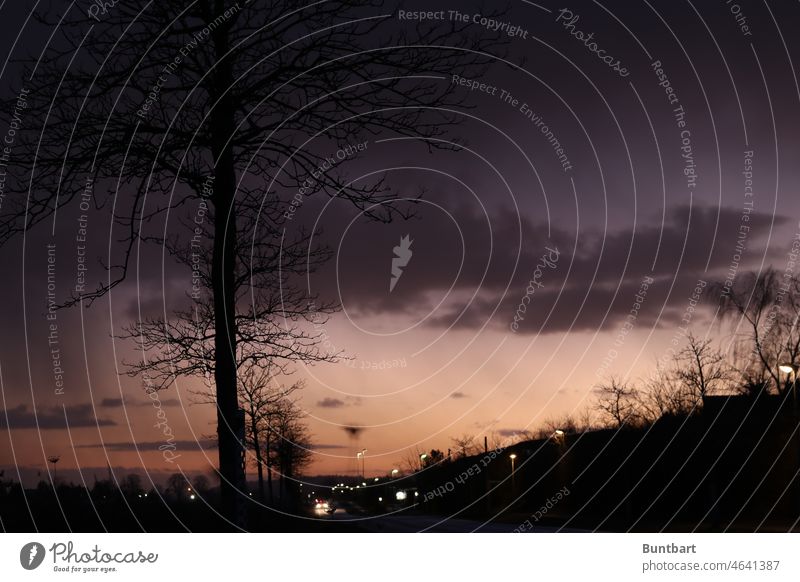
(465, 445)
(617, 402)
(701, 369)
(412, 459)
(765, 309)
(263, 399)
(585, 420)
(291, 451)
(564, 423)
(200, 484)
(753, 380)
(177, 486)
(159, 108)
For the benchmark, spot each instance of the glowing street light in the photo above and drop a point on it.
(395, 472)
(360, 455)
(791, 370)
(422, 458)
(513, 457)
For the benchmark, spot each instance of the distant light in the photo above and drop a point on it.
(401, 495)
(376, 478)
(416, 493)
(395, 471)
(512, 456)
(250, 494)
(423, 456)
(787, 368)
(380, 499)
(559, 432)
(363, 484)
(145, 494)
(191, 496)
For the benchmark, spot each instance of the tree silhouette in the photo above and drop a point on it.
(766, 310)
(617, 402)
(158, 111)
(701, 368)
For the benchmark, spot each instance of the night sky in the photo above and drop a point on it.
(576, 183)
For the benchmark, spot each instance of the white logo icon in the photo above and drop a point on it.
(402, 255)
(31, 555)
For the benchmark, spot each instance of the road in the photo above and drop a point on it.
(413, 522)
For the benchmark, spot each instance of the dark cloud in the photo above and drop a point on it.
(119, 402)
(52, 417)
(182, 445)
(321, 446)
(331, 403)
(510, 432)
(595, 282)
(458, 395)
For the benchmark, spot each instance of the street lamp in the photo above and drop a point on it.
(422, 458)
(791, 368)
(361, 454)
(791, 371)
(513, 457)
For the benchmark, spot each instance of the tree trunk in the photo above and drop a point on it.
(229, 422)
(269, 468)
(259, 459)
